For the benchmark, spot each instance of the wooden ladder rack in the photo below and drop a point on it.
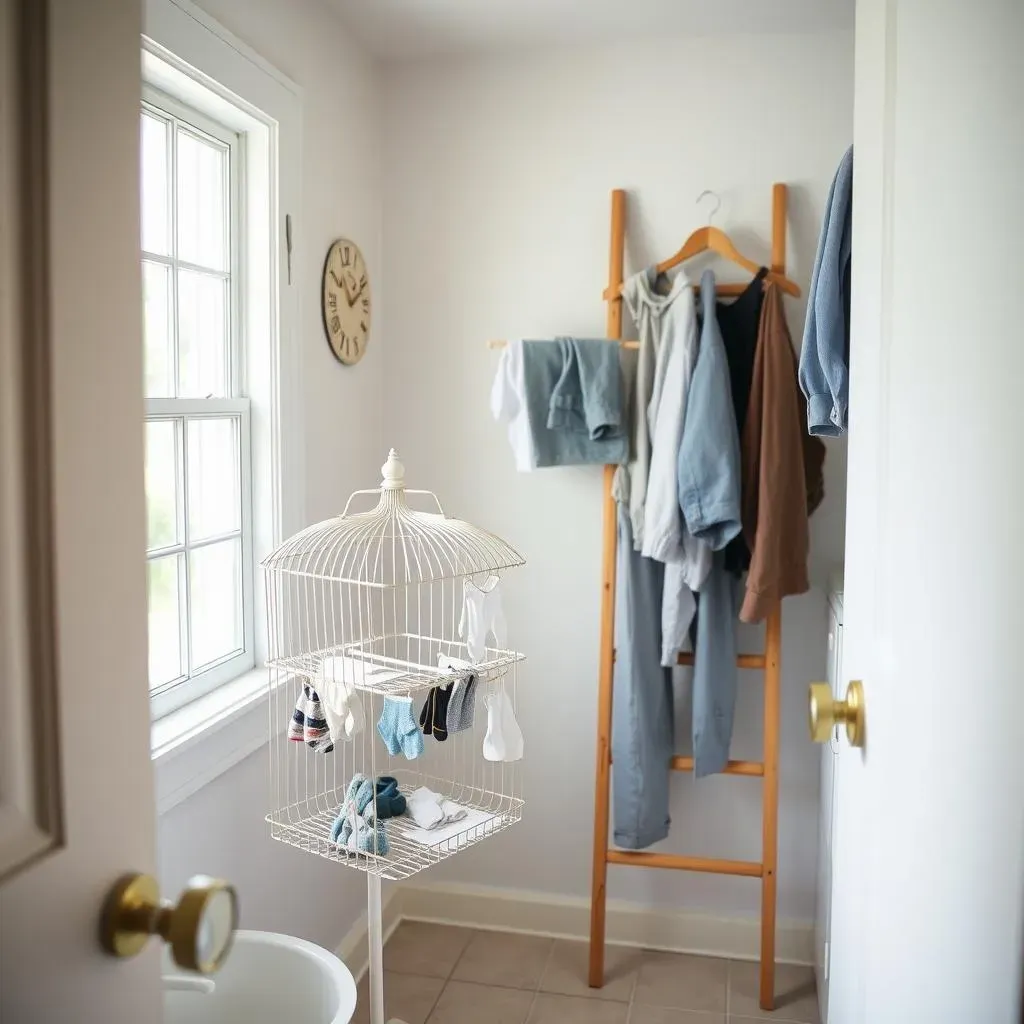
(769, 661)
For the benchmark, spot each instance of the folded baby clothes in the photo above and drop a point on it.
(356, 829)
(434, 714)
(482, 616)
(462, 704)
(388, 801)
(430, 810)
(309, 723)
(397, 728)
(504, 739)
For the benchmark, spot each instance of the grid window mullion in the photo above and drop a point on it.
(195, 555)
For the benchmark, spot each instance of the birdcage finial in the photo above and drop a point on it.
(393, 472)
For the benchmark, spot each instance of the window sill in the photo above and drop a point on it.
(199, 742)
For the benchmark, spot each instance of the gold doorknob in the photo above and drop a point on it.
(826, 712)
(199, 930)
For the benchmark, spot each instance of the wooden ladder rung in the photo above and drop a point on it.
(751, 768)
(677, 862)
(742, 660)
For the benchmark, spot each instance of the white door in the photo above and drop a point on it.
(829, 750)
(76, 788)
(928, 889)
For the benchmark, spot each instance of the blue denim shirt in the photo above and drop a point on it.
(709, 453)
(709, 496)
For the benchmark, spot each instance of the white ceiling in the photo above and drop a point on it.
(405, 29)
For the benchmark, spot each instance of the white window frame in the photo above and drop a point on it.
(187, 54)
(174, 694)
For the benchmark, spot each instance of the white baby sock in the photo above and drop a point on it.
(424, 807)
(482, 614)
(342, 706)
(504, 739)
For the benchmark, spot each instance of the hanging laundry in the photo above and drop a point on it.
(434, 713)
(482, 616)
(738, 322)
(462, 705)
(568, 394)
(508, 404)
(825, 355)
(336, 684)
(782, 469)
(668, 325)
(398, 730)
(504, 739)
(309, 722)
(709, 496)
(661, 322)
(643, 731)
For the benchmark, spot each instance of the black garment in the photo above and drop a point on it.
(434, 715)
(739, 322)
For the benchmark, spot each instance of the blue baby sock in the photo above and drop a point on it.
(342, 823)
(398, 729)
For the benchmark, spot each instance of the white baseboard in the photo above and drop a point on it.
(627, 924)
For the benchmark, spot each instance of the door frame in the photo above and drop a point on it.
(31, 805)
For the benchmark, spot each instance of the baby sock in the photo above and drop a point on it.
(425, 808)
(440, 720)
(462, 705)
(390, 803)
(434, 714)
(397, 728)
(427, 712)
(504, 739)
(347, 805)
(309, 723)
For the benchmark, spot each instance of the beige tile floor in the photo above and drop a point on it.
(436, 974)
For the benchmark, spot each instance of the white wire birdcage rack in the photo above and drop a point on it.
(369, 605)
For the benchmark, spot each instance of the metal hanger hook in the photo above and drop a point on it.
(717, 199)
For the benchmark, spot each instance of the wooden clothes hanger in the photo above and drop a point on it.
(712, 239)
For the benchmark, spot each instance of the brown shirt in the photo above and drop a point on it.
(781, 469)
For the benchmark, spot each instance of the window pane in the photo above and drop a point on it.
(164, 620)
(202, 202)
(161, 483)
(156, 323)
(202, 335)
(215, 583)
(214, 504)
(156, 216)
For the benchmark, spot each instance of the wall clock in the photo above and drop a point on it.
(346, 301)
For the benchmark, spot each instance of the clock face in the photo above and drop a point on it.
(346, 301)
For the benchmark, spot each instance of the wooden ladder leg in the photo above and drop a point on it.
(770, 810)
(602, 791)
(772, 662)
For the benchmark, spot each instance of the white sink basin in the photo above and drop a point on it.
(267, 979)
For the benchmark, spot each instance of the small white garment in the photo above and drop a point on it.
(482, 615)
(430, 810)
(335, 684)
(508, 404)
(504, 738)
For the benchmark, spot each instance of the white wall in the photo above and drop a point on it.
(496, 202)
(220, 830)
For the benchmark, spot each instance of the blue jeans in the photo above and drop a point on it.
(642, 699)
